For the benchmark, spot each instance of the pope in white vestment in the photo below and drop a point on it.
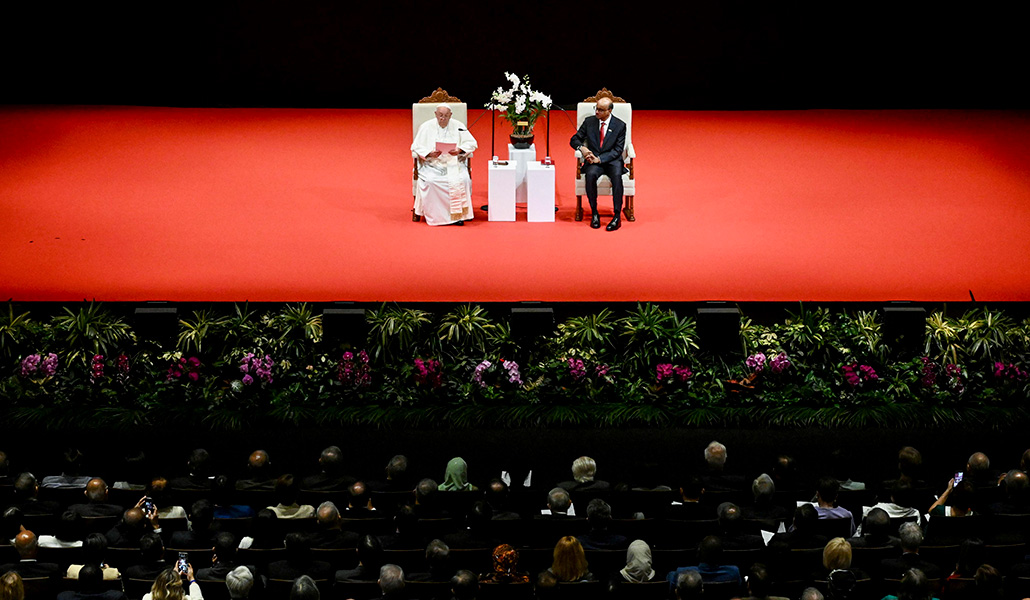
(443, 194)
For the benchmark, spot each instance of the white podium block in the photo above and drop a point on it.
(521, 158)
(501, 192)
(540, 193)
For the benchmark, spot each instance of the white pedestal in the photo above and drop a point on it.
(540, 193)
(501, 192)
(521, 158)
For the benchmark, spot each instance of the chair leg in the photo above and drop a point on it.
(628, 209)
(579, 208)
(415, 217)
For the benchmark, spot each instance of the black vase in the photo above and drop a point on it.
(521, 141)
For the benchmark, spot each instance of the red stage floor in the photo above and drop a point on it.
(129, 203)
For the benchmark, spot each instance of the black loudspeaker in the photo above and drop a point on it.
(904, 328)
(529, 323)
(719, 329)
(345, 325)
(156, 323)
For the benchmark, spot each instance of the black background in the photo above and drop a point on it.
(695, 55)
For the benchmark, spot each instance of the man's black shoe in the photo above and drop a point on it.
(595, 221)
(615, 224)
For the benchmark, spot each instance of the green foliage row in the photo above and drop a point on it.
(645, 366)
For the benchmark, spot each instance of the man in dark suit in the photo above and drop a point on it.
(298, 561)
(97, 505)
(27, 546)
(152, 549)
(911, 538)
(330, 532)
(601, 139)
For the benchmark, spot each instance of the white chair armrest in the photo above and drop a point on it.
(630, 153)
(579, 154)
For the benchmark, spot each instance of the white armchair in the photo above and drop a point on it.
(624, 111)
(424, 110)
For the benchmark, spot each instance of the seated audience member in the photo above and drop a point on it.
(979, 473)
(875, 531)
(971, 555)
(67, 532)
(199, 468)
(135, 522)
(731, 526)
(988, 583)
(910, 469)
(759, 583)
(157, 489)
(955, 501)
(464, 585)
(27, 546)
(26, 497)
(93, 551)
(304, 588)
(476, 533)
(900, 506)
(287, 489)
(200, 534)
(456, 477)
(359, 502)
(427, 505)
(911, 539)
(584, 471)
(240, 582)
(370, 558)
(90, 586)
(505, 567)
(638, 567)
(406, 534)
(763, 490)
(1015, 499)
(330, 532)
(12, 525)
(599, 515)
(11, 586)
(397, 479)
(96, 504)
(391, 582)
(224, 559)
(689, 506)
(258, 474)
(438, 559)
(498, 496)
(717, 478)
(298, 561)
(263, 532)
(570, 562)
(168, 586)
(689, 586)
(223, 490)
(837, 557)
(802, 533)
(71, 476)
(915, 585)
(153, 561)
(709, 555)
(826, 506)
(811, 593)
(786, 476)
(330, 477)
(558, 505)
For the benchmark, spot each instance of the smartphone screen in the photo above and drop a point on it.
(958, 477)
(182, 562)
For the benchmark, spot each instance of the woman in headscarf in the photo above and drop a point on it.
(506, 567)
(456, 479)
(638, 563)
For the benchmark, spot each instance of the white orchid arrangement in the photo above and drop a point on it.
(521, 104)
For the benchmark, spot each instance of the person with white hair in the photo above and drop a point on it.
(716, 478)
(239, 581)
(584, 471)
(443, 193)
